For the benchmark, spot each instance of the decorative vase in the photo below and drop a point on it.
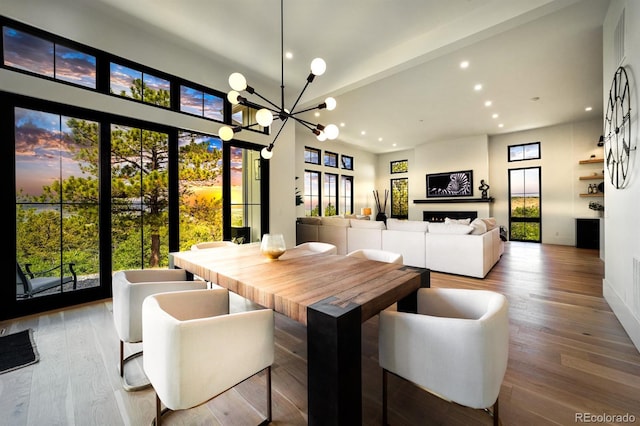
(381, 217)
(272, 246)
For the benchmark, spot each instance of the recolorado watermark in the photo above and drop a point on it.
(604, 418)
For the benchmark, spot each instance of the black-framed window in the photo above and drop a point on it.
(346, 162)
(400, 166)
(42, 54)
(201, 103)
(28, 52)
(135, 84)
(345, 199)
(330, 159)
(330, 195)
(400, 198)
(525, 151)
(311, 155)
(311, 195)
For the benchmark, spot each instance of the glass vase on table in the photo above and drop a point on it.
(272, 246)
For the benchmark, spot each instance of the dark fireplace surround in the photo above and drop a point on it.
(429, 216)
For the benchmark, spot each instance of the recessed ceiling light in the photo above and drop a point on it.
(501, 125)
(363, 133)
(588, 109)
(317, 114)
(288, 55)
(394, 144)
(379, 139)
(487, 103)
(341, 124)
(477, 87)
(464, 64)
(495, 115)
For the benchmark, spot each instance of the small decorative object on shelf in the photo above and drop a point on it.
(596, 206)
(272, 246)
(484, 188)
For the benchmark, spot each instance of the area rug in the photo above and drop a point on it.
(17, 350)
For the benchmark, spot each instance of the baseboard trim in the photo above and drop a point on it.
(629, 321)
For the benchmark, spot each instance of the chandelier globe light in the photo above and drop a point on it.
(265, 115)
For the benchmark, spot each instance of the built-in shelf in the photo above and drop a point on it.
(592, 161)
(599, 194)
(600, 177)
(455, 200)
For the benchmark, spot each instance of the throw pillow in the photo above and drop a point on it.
(450, 228)
(479, 227)
(466, 221)
(491, 222)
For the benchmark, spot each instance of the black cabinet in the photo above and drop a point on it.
(588, 233)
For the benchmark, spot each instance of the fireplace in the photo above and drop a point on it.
(439, 216)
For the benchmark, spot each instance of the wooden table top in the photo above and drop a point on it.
(300, 278)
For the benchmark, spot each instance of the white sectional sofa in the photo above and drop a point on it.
(462, 247)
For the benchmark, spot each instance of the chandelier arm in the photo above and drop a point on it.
(306, 124)
(277, 108)
(309, 123)
(306, 110)
(299, 96)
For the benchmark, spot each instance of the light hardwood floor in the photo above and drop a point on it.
(569, 356)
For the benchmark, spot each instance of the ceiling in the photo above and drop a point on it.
(393, 65)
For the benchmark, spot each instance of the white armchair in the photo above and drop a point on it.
(129, 289)
(195, 350)
(456, 346)
(379, 255)
(324, 248)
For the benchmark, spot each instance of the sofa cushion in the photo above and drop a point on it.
(466, 221)
(407, 225)
(369, 224)
(490, 222)
(310, 220)
(449, 228)
(336, 221)
(479, 227)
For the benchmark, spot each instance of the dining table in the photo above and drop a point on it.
(333, 295)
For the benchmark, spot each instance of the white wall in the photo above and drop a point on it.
(561, 149)
(622, 232)
(440, 157)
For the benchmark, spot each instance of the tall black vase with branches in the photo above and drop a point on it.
(381, 216)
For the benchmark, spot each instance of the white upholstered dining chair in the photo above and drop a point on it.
(379, 255)
(318, 247)
(129, 288)
(456, 346)
(195, 349)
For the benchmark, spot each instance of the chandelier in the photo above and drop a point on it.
(266, 114)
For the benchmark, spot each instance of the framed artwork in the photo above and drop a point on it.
(450, 184)
(400, 198)
(401, 166)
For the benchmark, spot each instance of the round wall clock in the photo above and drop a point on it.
(617, 130)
